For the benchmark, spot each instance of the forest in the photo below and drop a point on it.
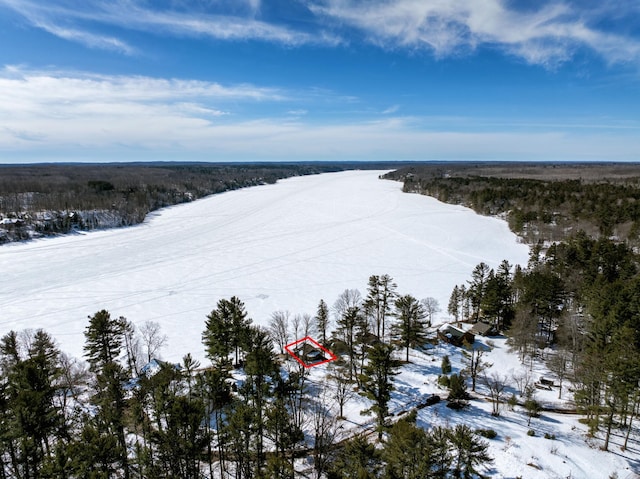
(49, 199)
(542, 202)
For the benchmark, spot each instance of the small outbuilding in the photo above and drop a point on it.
(309, 353)
(482, 329)
(456, 336)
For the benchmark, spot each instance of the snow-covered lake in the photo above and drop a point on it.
(276, 247)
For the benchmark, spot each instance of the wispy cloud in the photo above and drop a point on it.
(547, 34)
(84, 117)
(55, 19)
(225, 20)
(55, 108)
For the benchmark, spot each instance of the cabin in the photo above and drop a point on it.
(456, 336)
(309, 353)
(482, 329)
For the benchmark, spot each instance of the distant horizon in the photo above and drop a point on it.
(319, 80)
(372, 163)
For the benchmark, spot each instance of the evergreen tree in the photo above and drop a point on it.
(377, 304)
(261, 365)
(214, 387)
(377, 383)
(183, 441)
(30, 417)
(226, 330)
(407, 453)
(410, 328)
(469, 452)
(455, 303)
(283, 428)
(446, 365)
(103, 346)
(439, 448)
(356, 460)
(322, 321)
(477, 288)
(457, 390)
(346, 330)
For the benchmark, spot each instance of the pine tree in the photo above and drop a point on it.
(261, 364)
(446, 365)
(470, 451)
(226, 330)
(214, 387)
(455, 301)
(103, 346)
(322, 321)
(182, 442)
(477, 288)
(31, 418)
(410, 328)
(377, 304)
(407, 452)
(356, 460)
(457, 390)
(346, 331)
(377, 383)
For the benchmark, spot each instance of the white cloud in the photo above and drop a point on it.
(73, 20)
(82, 117)
(54, 20)
(547, 35)
(55, 109)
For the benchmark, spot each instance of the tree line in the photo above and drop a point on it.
(539, 208)
(42, 200)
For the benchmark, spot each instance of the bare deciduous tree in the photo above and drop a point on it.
(308, 326)
(523, 382)
(475, 363)
(152, 339)
(325, 429)
(496, 385)
(349, 298)
(296, 324)
(342, 388)
(558, 364)
(431, 307)
(279, 328)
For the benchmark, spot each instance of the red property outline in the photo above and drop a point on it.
(332, 357)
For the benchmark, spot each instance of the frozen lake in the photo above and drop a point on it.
(276, 247)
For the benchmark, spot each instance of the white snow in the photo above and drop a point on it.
(571, 454)
(276, 247)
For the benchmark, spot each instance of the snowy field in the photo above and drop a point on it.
(276, 247)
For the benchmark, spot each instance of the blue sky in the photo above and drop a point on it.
(264, 80)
